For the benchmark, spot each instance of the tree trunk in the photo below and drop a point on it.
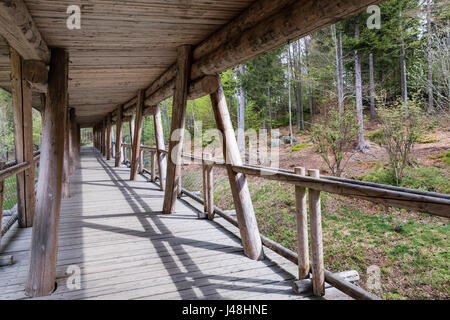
(372, 87)
(361, 145)
(289, 92)
(429, 58)
(298, 89)
(339, 70)
(311, 111)
(241, 123)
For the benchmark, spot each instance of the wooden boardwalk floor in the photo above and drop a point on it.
(113, 231)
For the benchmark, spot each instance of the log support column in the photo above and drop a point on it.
(23, 139)
(66, 166)
(177, 128)
(160, 145)
(108, 137)
(44, 242)
(118, 148)
(248, 226)
(136, 145)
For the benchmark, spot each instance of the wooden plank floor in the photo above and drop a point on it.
(113, 231)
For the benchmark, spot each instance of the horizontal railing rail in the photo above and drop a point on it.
(8, 170)
(426, 202)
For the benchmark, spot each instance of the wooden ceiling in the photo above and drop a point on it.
(124, 46)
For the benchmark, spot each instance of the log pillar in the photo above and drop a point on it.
(23, 139)
(73, 142)
(108, 137)
(177, 128)
(245, 214)
(160, 145)
(66, 166)
(136, 145)
(302, 228)
(2, 188)
(44, 242)
(119, 136)
(104, 137)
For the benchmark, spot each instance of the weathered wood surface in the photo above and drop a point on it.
(23, 139)
(41, 278)
(136, 145)
(160, 144)
(19, 29)
(238, 182)
(114, 231)
(118, 147)
(315, 215)
(302, 227)
(177, 128)
(439, 206)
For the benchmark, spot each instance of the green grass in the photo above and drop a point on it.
(444, 157)
(376, 136)
(426, 179)
(356, 234)
(301, 146)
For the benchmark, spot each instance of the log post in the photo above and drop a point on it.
(153, 166)
(208, 185)
(160, 145)
(119, 135)
(44, 242)
(104, 137)
(108, 137)
(23, 139)
(248, 226)
(73, 142)
(66, 166)
(177, 128)
(124, 154)
(318, 269)
(302, 228)
(141, 162)
(131, 129)
(136, 145)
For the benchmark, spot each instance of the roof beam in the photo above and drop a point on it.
(20, 31)
(252, 37)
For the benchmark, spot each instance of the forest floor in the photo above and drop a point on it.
(410, 248)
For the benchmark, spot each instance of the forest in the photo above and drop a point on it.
(367, 98)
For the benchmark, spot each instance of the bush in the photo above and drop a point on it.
(376, 136)
(335, 136)
(401, 127)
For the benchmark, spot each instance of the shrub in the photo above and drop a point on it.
(335, 136)
(401, 127)
(376, 136)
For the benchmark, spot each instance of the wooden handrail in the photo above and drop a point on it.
(423, 201)
(5, 174)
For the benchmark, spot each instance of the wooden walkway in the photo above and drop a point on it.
(112, 230)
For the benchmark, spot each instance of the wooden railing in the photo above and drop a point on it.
(427, 202)
(7, 170)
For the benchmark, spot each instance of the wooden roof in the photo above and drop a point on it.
(124, 46)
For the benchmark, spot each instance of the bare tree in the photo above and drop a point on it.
(361, 144)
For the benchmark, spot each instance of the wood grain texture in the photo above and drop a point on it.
(136, 145)
(23, 139)
(248, 226)
(108, 137)
(302, 227)
(42, 271)
(160, 145)
(118, 148)
(177, 128)
(18, 28)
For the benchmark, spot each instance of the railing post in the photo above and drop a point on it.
(318, 269)
(124, 154)
(302, 228)
(153, 165)
(141, 162)
(208, 185)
